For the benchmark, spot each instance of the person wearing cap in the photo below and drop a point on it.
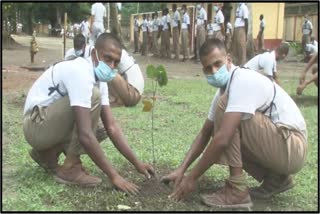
(61, 114)
(239, 41)
(267, 61)
(253, 125)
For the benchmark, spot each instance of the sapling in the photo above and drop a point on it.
(159, 77)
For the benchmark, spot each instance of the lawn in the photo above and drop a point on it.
(180, 111)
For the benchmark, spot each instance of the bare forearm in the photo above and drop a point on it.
(314, 78)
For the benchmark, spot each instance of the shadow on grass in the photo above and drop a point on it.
(305, 100)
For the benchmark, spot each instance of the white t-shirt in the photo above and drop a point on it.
(71, 53)
(185, 21)
(257, 96)
(165, 20)
(131, 70)
(202, 16)
(98, 10)
(312, 47)
(210, 28)
(229, 28)
(155, 24)
(84, 27)
(144, 25)
(265, 61)
(307, 27)
(262, 24)
(242, 13)
(218, 20)
(136, 25)
(75, 78)
(175, 19)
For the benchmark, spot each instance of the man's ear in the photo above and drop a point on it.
(229, 58)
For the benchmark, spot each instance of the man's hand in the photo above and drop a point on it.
(302, 78)
(145, 169)
(175, 176)
(186, 186)
(125, 186)
(300, 88)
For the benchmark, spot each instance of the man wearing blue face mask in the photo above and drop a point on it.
(61, 115)
(80, 48)
(255, 127)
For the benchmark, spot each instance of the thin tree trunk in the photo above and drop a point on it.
(114, 22)
(250, 43)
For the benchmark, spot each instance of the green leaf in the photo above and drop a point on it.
(162, 76)
(151, 72)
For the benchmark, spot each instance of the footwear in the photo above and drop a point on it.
(272, 185)
(228, 197)
(43, 161)
(76, 174)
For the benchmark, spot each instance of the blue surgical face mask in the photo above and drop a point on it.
(103, 71)
(78, 52)
(220, 78)
(198, 6)
(216, 8)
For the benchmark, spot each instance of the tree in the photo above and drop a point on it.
(250, 43)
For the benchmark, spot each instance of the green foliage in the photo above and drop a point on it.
(297, 47)
(131, 8)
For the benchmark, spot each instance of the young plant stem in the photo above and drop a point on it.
(153, 103)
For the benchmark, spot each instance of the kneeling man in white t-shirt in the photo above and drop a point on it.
(62, 111)
(253, 125)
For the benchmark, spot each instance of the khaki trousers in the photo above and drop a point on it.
(136, 41)
(122, 93)
(260, 43)
(165, 44)
(228, 42)
(261, 147)
(144, 50)
(175, 41)
(239, 46)
(305, 41)
(47, 127)
(201, 37)
(218, 35)
(185, 43)
(155, 49)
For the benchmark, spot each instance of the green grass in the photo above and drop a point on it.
(180, 111)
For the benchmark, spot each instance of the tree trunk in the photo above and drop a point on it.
(114, 22)
(250, 43)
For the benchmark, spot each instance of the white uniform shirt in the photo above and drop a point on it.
(75, 78)
(210, 28)
(218, 20)
(265, 61)
(99, 11)
(229, 28)
(242, 13)
(136, 25)
(84, 27)
(144, 25)
(71, 52)
(257, 96)
(307, 27)
(185, 21)
(312, 47)
(175, 19)
(150, 25)
(131, 70)
(166, 19)
(155, 24)
(202, 16)
(262, 24)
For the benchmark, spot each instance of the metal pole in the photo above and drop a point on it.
(64, 34)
